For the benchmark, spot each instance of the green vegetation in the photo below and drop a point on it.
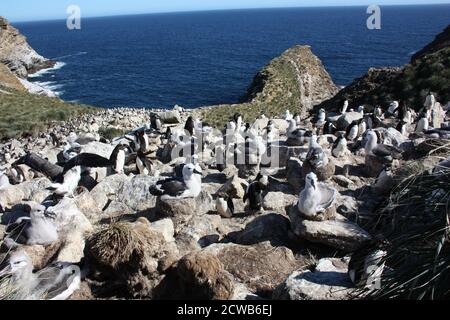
(23, 114)
(278, 87)
(415, 219)
(110, 133)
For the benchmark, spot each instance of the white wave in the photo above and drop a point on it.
(70, 55)
(40, 73)
(51, 85)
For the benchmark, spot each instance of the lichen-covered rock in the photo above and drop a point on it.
(234, 188)
(339, 233)
(329, 281)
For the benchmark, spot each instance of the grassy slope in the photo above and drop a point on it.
(22, 113)
(410, 84)
(274, 90)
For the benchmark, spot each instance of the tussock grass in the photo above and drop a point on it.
(23, 114)
(415, 218)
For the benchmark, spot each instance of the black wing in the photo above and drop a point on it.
(87, 160)
(383, 150)
(172, 187)
(230, 205)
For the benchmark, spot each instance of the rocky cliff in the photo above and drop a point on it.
(17, 54)
(429, 70)
(296, 80)
(441, 41)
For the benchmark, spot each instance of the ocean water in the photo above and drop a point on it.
(205, 58)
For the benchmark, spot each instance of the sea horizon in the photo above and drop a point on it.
(220, 10)
(205, 58)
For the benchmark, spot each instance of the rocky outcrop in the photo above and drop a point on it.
(297, 79)
(9, 80)
(441, 41)
(17, 54)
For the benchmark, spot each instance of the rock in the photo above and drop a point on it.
(180, 211)
(170, 117)
(261, 267)
(101, 149)
(197, 276)
(266, 227)
(234, 188)
(339, 233)
(199, 232)
(392, 137)
(329, 281)
(323, 173)
(107, 189)
(165, 227)
(72, 249)
(294, 173)
(41, 256)
(241, 292)
(297, 79)
(285, 152)
(17, 54)
(345, 120)
(87, 205)
(116, 209)
(342, 181)
(69, 218)
(35, 190)
(135, 193)
(277, 201)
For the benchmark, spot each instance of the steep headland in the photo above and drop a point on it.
(17, 54)
(296, 80)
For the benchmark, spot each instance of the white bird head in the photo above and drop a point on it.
(19, 265)
(189, 170)
(311, 180)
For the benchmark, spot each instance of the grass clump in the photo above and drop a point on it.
(415, 218)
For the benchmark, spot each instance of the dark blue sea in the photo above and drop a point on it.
(206, 58)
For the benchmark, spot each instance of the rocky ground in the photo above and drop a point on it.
(169, 249)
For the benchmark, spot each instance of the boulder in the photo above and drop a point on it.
(72, 249)
(323, 173)
(180, 211)
(339, 233)
(277, 201)
(135, 193)
(165, 227)
(196, 276)
(170, 117)
(199, 232)
(35, 190)
(69, 218)
(329, 281)
(346, 119)
(266, 227)
(234, 187)
(99, 148)
(261, 267)
(107, 189)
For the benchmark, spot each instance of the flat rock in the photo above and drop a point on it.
(329, 281)
(261, 267)
(339, 233)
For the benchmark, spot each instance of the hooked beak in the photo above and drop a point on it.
(5, 271)
(197, 172)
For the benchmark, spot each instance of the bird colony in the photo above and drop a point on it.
(270, 209)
